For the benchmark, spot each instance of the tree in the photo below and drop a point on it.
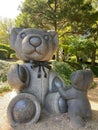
(83, 20)
(67, 17)
(93, 36)
(5, 27)
(46, 14)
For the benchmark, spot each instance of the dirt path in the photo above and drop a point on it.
(58, 122)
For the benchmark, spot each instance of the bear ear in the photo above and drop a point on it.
(13, 35)
(54, 34)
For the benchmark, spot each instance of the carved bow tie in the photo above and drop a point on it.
(42, 65)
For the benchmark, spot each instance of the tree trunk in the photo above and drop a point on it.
(93, 57)
(55, 27)
(78, 60)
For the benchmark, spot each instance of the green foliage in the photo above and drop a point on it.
(72, 59)
(3, 54)
(95, 70)
(77, 46)
(5, 87)
(13, 56)
(4, 67)
(5, 27)
(46, 14)
(74, 65)
(69, 18)
(6, 48)
(63, 69)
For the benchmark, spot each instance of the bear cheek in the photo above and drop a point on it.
(18, 43)
(43, 49)
(18, 48)
(27, 48)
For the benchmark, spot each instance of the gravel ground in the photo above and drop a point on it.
(52, 122)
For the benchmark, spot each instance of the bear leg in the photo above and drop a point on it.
(76, 122)
(54, 103)
(24, 109)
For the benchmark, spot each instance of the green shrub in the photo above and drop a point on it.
(3, 54)
(7, 47)
(95, 70)
(13, 56)
(74, 65)
(4, 67)
(5, 87)
(72, 59)
(63, 69)
(4, 46)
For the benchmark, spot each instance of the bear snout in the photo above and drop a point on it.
(35, 41)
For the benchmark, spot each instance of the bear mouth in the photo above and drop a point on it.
(36, 52)
(34, 56)
(33, 51)
(39, 50)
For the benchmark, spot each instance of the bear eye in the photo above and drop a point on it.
(46, 37)
(22, 35)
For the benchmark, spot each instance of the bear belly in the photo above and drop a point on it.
(38, 86)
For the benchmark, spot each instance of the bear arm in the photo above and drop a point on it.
(18, 76)
(53, 76)
(68, 94)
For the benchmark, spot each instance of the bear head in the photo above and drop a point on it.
(33, 44)
(82, 79)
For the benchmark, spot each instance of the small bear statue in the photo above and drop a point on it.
(34, 79)
(79, 107)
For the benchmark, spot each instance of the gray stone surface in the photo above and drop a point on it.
(55, 104)
(23, 109)
(34, 76)
(78, 104)
(26, 51)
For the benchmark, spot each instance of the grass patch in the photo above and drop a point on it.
(4, 67)
(4, 87)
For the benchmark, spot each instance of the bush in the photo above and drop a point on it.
(3, 54)
(5, 87)
(95, 70)
(74, 65)
(7, 47)
(13, 56)
(4, 67)
(63, 69)
(72, 59)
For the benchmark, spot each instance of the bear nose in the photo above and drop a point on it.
(35, 41)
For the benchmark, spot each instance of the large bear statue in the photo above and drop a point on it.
(34, 79)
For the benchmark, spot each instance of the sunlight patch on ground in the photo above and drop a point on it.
(94, 105)
(13, 94)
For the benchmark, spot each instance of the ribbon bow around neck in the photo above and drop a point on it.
(42, 65)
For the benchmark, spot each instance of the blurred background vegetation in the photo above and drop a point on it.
(76, 22)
